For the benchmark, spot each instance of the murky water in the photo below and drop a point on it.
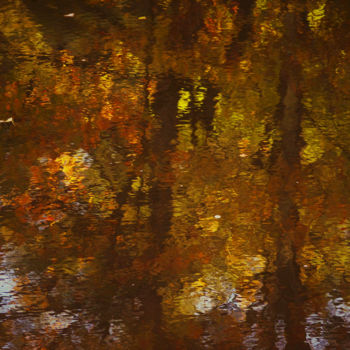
(174, 174)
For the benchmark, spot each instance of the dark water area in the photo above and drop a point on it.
(174, 174)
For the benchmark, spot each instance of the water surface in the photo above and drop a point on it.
(174, 174)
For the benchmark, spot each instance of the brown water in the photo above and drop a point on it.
(175, 174)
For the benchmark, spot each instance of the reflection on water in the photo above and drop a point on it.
(174, 174)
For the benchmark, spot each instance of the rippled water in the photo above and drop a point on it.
(174, 174)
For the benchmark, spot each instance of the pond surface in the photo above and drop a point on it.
(174, 174)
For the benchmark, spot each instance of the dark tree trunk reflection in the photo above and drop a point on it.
(286, 298)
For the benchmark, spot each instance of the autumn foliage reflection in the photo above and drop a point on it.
(176, 175)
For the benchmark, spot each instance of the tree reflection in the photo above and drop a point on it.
(176, 176)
